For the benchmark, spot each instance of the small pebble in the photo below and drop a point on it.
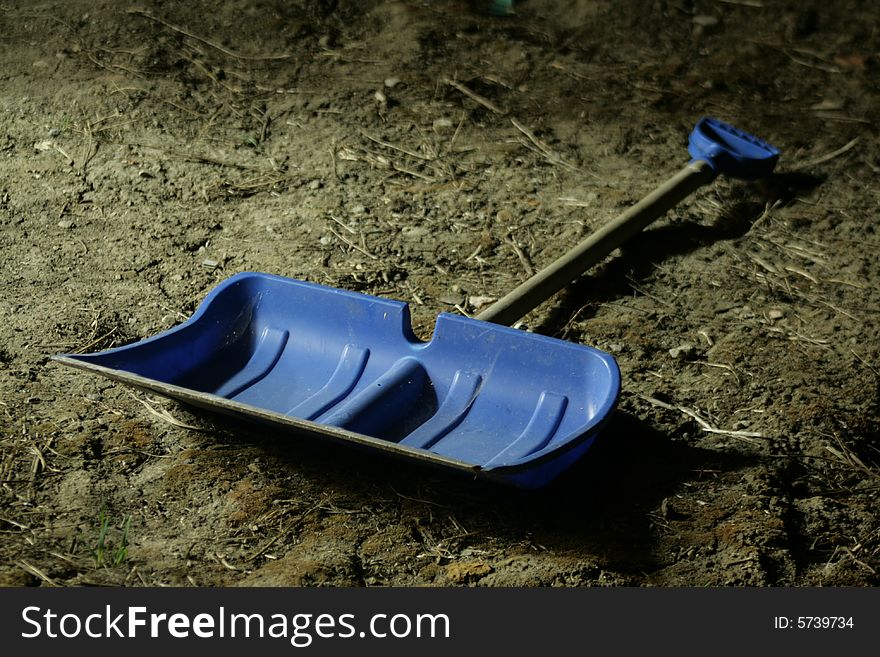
(315, 184)
(325, 240)
(54, 132)
(705, 21)
(683, 351)
(478, 301)
(451, 299)
(390, 83)
(414, 232)
(775, 314)
(380, 97)
(829, 105)
(702, 26)
(65, 224)
(442, 124)
(209, 262)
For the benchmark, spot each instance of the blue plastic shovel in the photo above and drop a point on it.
(479, 397)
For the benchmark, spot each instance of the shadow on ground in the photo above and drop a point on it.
(642, 253)
(607, 503)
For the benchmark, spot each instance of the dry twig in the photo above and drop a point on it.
(353, 245)
(474, 96)
(287, 528)
(825, 158)
(207, 42)
(551, 155)
(748, 436)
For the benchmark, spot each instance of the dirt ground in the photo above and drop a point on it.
(148, 152)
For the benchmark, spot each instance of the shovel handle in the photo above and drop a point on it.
(597, 246)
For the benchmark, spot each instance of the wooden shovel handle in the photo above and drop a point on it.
(596, 247)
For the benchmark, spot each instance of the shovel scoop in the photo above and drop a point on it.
(479, 397)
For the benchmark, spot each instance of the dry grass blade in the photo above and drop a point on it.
(727, 368)
(207, 42)
(201, 159)
(748, 436)
(255, 185)
(286, 529)
(15, 524)
(106, 336)
(353, 245)
(414, 174)
(825, 158)
(523, 258)
(417, 499)
(380, 162)
(858, 561)
(864, 362)
(849, 458)
(474, 96)
(165, 416)
(36, 572)
(391, 146)
(552, 156)
(222, 559)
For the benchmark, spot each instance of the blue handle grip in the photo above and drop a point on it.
(730, 151)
